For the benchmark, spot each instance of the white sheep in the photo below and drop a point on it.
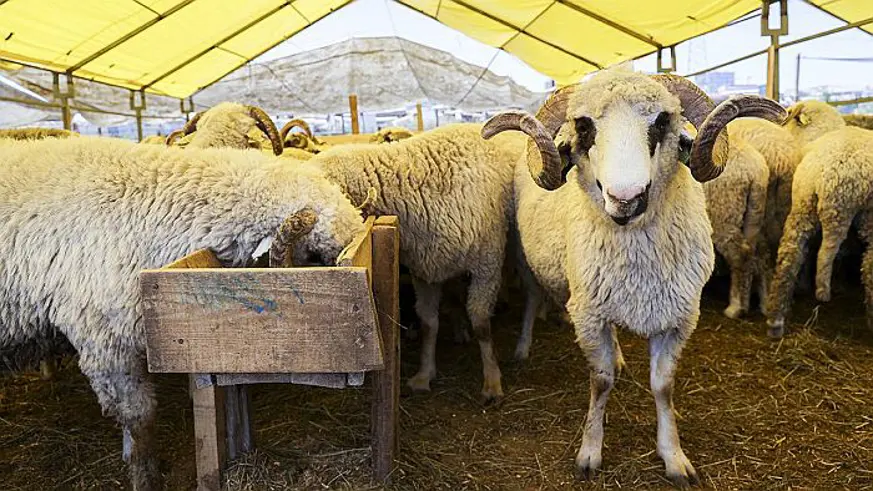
(304, 141)
(626, 241)
(860, 120)
(451, 192)
(808, 120)
(833, 187)
(79, 218)
(390, 134)
(736, 204)
(229, 125)
(35, 133)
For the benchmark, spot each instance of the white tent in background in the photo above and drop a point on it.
(384, 73)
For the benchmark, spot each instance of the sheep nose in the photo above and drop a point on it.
(626, 194)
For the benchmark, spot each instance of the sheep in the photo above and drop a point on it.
(808, 120)
(736, 204)
(452, 194)
(154, 140)
(228, 125)
(832, 187)
(860, 120)
(305, 141)
(390, 134)
(35, 133)
(79, 218)
(615, 228)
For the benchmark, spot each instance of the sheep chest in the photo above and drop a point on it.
(229, 327)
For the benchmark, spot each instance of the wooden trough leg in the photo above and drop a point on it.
(210, 433)
(384, 420)
(239, 427)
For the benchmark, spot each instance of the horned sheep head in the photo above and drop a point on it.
(622, 132)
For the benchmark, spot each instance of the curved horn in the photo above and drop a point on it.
(707, 161)
(268, 127)
(550, 176)
(191, 125)
(295, 123)
(292, 229)
(173, 136)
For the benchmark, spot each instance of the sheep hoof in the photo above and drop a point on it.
(823, 294)
(491, 392)
(777, 329)
(734, 312)
(419, 383)
(522, 353)
(587, 467)
(681, 473)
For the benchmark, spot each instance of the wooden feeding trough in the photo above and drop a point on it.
(231, 327)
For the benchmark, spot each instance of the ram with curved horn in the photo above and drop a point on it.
(613, 226)
(230, 125)
(304, 140)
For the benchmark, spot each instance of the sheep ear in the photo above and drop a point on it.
(685, 144)
(803, 119)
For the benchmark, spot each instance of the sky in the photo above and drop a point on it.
(369, 18)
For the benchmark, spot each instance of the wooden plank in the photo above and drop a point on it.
(359, 251)
(210, 436)
(353, 109)
(243, 320)
(328, 380)
(385, 412)
(203, 258)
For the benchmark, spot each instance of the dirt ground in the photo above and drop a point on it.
(754, 414)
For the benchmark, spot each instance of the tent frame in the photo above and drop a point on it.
(138, 102)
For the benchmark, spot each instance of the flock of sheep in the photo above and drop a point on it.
(596, 201)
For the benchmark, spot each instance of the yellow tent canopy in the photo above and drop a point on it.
(177, 47)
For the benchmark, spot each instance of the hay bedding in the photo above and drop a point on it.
(754, 414)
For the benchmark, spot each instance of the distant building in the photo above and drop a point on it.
(711, 82)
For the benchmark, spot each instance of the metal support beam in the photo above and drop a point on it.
(667, 68)
(64, 96)
(773, 50)
(137, 107)
(603, 20)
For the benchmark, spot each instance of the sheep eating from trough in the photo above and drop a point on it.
(452, 193)
(79, 218)
(625, 241)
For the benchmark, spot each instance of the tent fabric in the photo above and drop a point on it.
(177, 47)
(169, 47)
(847, 10)
(384, 72)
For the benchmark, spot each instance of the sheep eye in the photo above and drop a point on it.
(657, 131)
(585, 132)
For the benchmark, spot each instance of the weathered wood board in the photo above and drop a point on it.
(300, 320)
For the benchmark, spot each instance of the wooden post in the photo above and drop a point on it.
(773, 69)
(210, 432)
(384, 421)
(419, 116)
(353, 108)
(237, 416)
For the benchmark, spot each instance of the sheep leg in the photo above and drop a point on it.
(865, 231)
(596, 338)
(427, 306)
(533, 306)
(124, 391)
(763, 272)
(793, 248)
(738, 256)
(664, 351)
(480, 304)
(48, 368)
(834, 228)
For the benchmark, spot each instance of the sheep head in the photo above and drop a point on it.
(621, 131)
(227, 125)
(808, 120)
